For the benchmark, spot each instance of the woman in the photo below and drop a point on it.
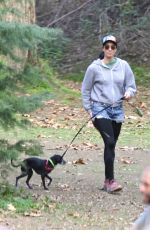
(106, 81)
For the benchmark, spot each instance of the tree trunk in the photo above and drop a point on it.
(26, 15)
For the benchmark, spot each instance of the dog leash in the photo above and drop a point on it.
(121, 99)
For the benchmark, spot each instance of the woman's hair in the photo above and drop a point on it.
(101, 55)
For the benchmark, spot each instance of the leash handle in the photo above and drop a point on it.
(121, 99)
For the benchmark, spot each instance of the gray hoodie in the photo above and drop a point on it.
(107, 85)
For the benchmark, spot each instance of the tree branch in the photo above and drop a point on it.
(69, 13)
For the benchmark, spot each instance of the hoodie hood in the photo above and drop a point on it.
(99, 62)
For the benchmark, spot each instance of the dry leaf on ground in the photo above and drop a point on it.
(11, 208)
(80, 161)
(126, 161)
(75, 214)
(65, 187)
(143, 105)
(33, 214)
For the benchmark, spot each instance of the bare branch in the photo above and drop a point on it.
(60, 9)
(69, 13)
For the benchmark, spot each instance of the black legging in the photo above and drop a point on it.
(109, 131)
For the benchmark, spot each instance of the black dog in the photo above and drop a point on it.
(41, 167)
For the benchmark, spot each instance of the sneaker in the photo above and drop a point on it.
(113, 187)
(106, 185)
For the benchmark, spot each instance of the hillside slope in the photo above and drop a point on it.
(129, 20)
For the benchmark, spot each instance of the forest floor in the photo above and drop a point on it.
(74, 200)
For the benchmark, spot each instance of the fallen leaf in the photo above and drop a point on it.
(75, 214)
(11, 208)
(126, 161)
(125, 148)
(132, 117)
(80, 161)
(52, 206)
(143, 105)
(33, 214)
(65, 187)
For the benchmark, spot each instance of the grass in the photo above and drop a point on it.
(136, 137)
(27, 104)
(142, 75)
(76, 77)
(44, 81)
(19, 199)
(130, 135)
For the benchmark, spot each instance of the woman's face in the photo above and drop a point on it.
(109, 50)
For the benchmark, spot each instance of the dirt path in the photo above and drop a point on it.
(82, 205)
(77, 203)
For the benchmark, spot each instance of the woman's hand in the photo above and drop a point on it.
(127, 96)
(90, 113)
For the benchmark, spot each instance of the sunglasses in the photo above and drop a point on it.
(112, 47)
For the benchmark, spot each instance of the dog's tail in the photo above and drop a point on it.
(14, 165)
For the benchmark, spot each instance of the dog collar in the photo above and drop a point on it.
(52, 163)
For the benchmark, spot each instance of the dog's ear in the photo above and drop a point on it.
(57, 159)
(60, 160)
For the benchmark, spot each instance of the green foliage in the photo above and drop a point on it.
(37, 78)
(54, 48)
(49, 42)
(142, 75)
(27, 104)
(128, 11)
(31, 147)
(5, 9)
(7, 151)
(25, 90)
(24, 37)
(13, 100)
(14, 85)
(76, 77)
(11, 151)
(21, 201)
(7, 118)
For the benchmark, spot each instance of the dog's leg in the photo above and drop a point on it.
(43, 181)
(50, 179)
(30, 173)
(21, 176)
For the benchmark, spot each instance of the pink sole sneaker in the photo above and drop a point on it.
(111, 186)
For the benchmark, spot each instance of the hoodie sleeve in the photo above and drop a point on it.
(87, 85)
(130, 86)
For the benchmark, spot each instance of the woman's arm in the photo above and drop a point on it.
(130, 86)
(87, 87)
